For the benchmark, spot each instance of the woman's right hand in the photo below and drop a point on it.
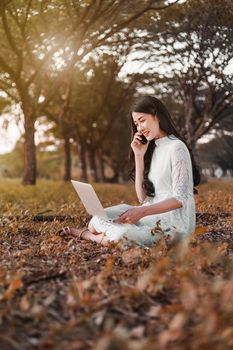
(137, 147)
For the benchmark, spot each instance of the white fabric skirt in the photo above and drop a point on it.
(150, 228)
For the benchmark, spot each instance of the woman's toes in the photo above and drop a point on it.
(64, 231)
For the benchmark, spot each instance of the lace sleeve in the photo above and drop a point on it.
(181, 173)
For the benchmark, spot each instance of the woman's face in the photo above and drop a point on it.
(147, 124)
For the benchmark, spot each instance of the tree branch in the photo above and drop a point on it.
(9, 35)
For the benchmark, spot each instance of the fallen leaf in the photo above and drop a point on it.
(15, 284)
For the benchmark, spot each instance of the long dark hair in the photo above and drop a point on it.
(153, 106)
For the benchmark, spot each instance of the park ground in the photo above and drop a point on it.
(60, 293)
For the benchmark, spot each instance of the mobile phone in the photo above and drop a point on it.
(143, 139)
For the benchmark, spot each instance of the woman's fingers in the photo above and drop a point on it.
(122, 218)
(137, 136)
(136, 143)
(136, 140)
(118, 220)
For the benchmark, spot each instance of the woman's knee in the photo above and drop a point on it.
(92, 229)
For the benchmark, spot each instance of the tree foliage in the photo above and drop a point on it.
(53, 51)
(189, 49)
(39, 37)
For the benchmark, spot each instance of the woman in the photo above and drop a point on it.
(165, 174)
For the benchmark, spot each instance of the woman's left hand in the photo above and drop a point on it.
(130, 216)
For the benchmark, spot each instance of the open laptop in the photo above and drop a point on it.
(93, 205)
(89, 199)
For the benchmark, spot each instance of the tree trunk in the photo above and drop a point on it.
(193, 146)
(101, 167)
(67, 155)
(29, 172)
(115, 177)
(188, 115)
(82, 156)
(93, 166)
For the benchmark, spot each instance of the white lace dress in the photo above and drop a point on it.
(171, 175)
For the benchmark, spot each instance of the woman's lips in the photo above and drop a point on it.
(146, 133)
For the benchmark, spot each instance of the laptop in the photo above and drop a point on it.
(89, 199)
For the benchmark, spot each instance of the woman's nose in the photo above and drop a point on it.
(140, 128)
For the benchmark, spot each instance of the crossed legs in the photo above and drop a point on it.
(87, 233)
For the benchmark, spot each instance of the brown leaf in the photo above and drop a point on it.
(15, 284)
(178, 321)
(25, 303)
(137, 332)
(131, 255)
(200, 230)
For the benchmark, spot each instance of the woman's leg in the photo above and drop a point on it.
(99, 238)
(92, 235)
(88, 234)
(92, 229)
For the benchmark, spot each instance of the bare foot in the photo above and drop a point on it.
(71, 232)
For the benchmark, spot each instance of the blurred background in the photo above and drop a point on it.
(69, 71)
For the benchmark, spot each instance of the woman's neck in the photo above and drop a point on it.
(161, 134)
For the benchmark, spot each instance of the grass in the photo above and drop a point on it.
(58, 196)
